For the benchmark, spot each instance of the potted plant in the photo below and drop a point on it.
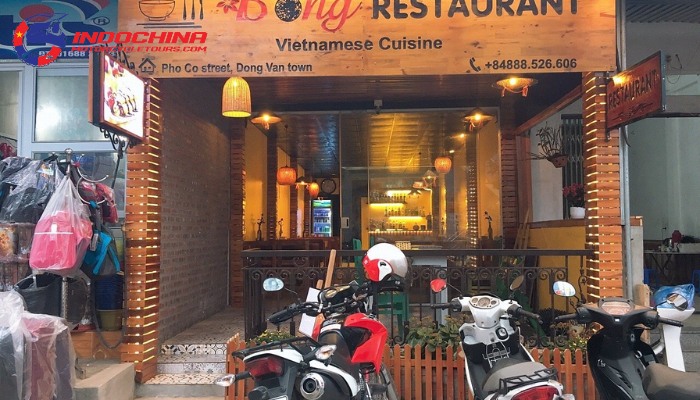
(574, 196)
(550, 146)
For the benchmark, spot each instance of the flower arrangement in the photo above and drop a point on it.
(574, 194)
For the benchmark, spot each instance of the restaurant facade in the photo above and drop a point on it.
(200, 186)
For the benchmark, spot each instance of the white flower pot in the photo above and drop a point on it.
(577, 212)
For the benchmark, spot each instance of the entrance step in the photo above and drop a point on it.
(105, 380)
(192, 364)
(180, 385)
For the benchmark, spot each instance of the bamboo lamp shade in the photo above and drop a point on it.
(235, 100)
(314, 189)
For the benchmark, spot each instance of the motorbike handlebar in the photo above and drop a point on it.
(670, 322)
(566, 317)
(518, 311)
(292, 311)
(454, 305)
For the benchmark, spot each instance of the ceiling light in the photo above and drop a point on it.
(477, 118)
(302, 181)
(286, 175)
(265, 118)
(443, 164)
(235, 100)
(314, 189)
(515, 85)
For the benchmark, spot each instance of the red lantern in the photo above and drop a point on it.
(286, 176)
(443, 164)
(314, 189)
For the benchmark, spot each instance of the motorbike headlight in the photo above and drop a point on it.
(325, 352)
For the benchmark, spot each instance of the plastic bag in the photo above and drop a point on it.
(52, 355)
(62, 235)
(15, 360)
(687, 291)
(30, 190)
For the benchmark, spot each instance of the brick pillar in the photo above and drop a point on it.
(602, 180)
(271, 214)
(238, 177)
(293, 204)
(509, 172)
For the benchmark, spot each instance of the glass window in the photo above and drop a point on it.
(62, 110)
(9, 112)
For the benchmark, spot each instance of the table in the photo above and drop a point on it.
(674, 268)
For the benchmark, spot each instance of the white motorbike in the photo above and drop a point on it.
(668, 347)
(498, 367)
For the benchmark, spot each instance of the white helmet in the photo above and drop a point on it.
(383, 260)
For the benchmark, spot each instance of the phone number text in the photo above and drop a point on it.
(533, 63)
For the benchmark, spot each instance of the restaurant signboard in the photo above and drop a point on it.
(636, 92)
(210, 38)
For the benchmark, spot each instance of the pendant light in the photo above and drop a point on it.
(265, 119)
(314, 189)
(477, 119)
(443, 164)
(515, 84)
(286, 175)
(235, 100)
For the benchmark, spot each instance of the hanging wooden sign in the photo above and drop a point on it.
(636, 92)
(206, 38)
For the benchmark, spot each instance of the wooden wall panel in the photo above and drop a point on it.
(238, 201)
(602, 181)
(142, 234)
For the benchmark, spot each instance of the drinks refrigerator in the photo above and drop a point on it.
(321, 218)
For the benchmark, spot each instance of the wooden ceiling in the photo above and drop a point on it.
(417, 114)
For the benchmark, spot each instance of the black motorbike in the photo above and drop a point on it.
(624, 367)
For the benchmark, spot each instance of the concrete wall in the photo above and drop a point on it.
(195, 197)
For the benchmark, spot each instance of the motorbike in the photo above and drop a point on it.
(498, 367)
(673, 305)
(623, 366)
(342, 359)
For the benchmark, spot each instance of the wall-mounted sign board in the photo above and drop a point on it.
(209, 38)
(636, 92)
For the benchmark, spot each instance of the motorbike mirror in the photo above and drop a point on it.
(226, 380)
(564, 289)
(273, 284)
(517, 282)
(678, 301)
(438, 285)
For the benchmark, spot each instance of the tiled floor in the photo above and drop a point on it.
(197, 355)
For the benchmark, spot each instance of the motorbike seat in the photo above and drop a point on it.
(662, 382)
(508, 368)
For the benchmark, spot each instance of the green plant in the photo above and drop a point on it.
(269, 336)
(429, 334)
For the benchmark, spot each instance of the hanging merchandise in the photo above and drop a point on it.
(27, 191)
(63, 233)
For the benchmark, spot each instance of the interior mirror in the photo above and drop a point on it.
(517, 282)
(678, 301)
(438, 285)
(273, 284)
(564, 289)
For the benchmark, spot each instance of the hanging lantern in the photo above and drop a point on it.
(443, 164)
(286, 175)
(314, 189)
(235, 100)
